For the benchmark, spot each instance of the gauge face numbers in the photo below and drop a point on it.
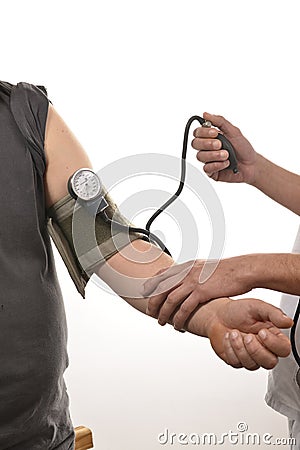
(86, 184)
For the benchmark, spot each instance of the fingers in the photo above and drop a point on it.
(155, 283)
(211, 154)
(218, 121)
(253, 351)
(263, 356)
(207, 144)
(186, 309)
(154, 304)
(164, 293)
(278, 318)
(205, 133)
(223, 124)
(269, 313)
(209, 148)
(215, 167)
(275, 341)
(214, 176)
(207, 157)
(175, 298)
(230, 356)
(237, 352)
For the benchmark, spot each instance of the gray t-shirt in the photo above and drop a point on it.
(34, 404)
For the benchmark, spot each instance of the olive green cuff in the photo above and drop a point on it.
(84, 241)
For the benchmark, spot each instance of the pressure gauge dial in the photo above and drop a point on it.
(84, 184)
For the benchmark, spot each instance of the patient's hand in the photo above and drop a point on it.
(244, 333)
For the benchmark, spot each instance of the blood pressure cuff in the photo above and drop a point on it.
(85, 240)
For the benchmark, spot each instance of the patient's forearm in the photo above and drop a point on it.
(126, 277)
(126, 271)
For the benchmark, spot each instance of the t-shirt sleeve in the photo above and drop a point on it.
(29, 105)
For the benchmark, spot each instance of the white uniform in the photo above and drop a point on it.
(283, 392)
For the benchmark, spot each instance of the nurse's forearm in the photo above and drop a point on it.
(277, 183)
(277, 271)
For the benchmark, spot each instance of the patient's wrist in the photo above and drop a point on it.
(206, 317)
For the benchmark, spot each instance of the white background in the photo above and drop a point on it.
(126, 76)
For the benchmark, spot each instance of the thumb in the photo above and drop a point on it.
(223, 124)
(278, 318)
